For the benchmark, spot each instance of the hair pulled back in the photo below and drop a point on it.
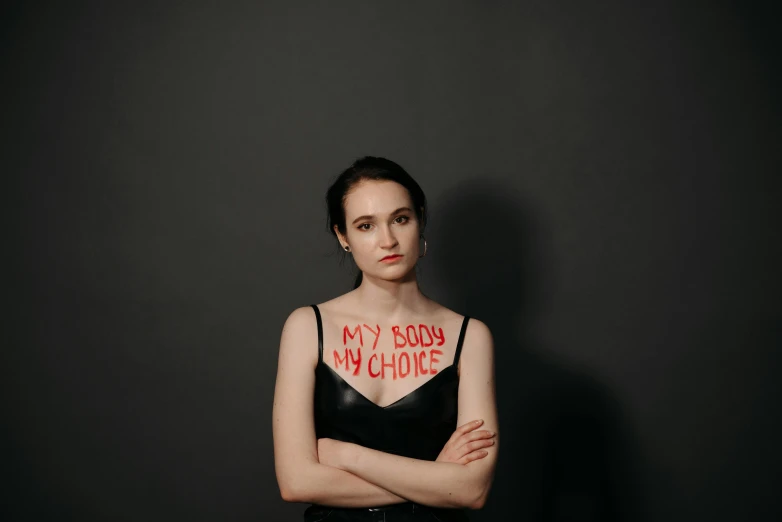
(370, 168)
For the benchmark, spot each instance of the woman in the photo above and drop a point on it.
(372, 385)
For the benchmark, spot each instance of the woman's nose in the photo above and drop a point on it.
(387, 238)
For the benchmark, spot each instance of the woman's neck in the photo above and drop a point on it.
(390, 299)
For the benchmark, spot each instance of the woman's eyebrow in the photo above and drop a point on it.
(370, 216)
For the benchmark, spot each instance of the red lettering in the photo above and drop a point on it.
(421, 329)
(384, 365)
(409, 339)
(338, 360)
(432, 360)
(357, 362)
(406, 358)
(346, 333)
(347, 359)
(369, 367)
(421, 357)
(397, 336)
(441, 337)
(377, 334)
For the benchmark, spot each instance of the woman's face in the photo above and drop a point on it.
(380, 222)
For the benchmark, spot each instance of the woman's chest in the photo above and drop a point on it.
(427, 413)
(385, 363)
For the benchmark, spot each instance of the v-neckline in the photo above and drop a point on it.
(338, 376)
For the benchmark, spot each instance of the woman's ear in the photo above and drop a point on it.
(342, 242)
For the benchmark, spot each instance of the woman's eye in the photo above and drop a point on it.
(398, 219)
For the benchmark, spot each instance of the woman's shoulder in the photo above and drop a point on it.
(300, 324)
(308, 313)
(300, 316)
(477, 332)
(444, 315)
(334, 309)
(448, 315)
(336, 303)
(305, 317)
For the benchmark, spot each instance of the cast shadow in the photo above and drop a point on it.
(567, 450)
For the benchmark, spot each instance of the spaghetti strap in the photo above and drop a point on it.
(461, 340)
(320, 333)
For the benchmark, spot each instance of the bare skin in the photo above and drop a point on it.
(386, 311)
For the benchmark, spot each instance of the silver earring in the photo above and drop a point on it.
(424, 247)
(347, 248)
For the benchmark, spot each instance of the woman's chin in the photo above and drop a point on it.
(394, 274)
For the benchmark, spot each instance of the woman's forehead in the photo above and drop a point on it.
(376, 197)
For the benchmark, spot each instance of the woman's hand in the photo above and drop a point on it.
(465, 445)
(331, 452)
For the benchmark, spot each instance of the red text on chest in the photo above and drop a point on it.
(416, 356)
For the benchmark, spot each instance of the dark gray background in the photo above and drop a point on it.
(603, 191)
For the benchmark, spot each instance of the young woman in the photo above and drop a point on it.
(372, 385)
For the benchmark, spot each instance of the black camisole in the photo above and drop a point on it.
(418, 425)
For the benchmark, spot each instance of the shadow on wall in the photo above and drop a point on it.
(567, 452)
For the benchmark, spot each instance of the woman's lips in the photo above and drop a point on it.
(391, 259)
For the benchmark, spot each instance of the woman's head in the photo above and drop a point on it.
(376, 209)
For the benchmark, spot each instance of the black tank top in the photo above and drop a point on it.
(418, 425)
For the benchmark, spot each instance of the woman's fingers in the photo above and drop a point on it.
(479, 434)
(467, 442)
(473, 436)
(475, 455)
(477, 444)
(469, 447)
(464, 429)
(468, 427)
(458, 445)
(449, 451)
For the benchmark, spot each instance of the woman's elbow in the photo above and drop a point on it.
(478, 499)
(469, 500)
(295, 481)
(293, 490)
(288, 494)
(478, 502)
(470, 497)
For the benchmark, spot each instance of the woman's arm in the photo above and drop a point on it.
(441, 484)
(300, 476)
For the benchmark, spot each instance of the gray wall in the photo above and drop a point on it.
(601, 179)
